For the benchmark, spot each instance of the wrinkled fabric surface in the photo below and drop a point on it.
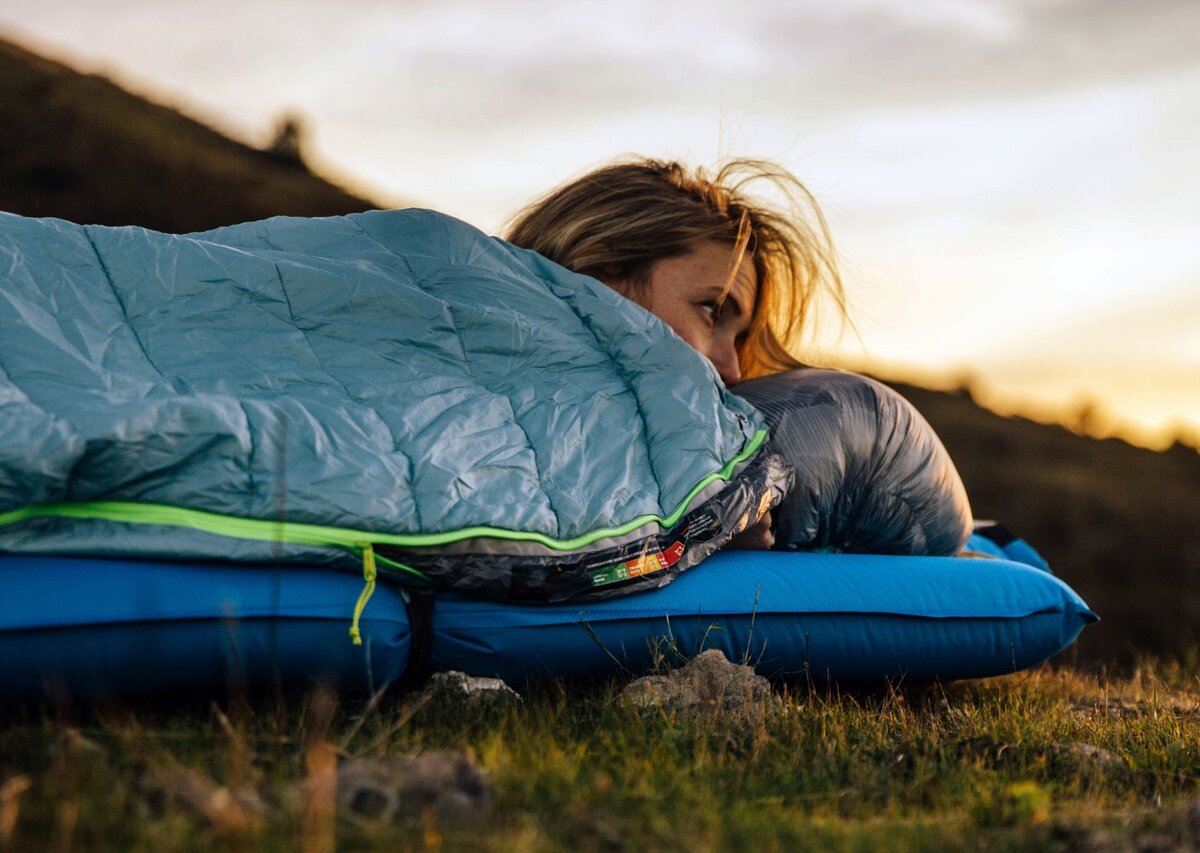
(393, 371)
(872, 477)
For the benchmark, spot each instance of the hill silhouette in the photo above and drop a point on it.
(78, 146)
(1120, 523)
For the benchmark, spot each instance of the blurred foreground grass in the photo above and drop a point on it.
(1052, 759)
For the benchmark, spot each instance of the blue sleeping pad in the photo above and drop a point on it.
(102, 628)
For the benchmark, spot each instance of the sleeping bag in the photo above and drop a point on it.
(872, 477)
(391, 386)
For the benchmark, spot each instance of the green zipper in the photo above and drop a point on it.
(293, 533)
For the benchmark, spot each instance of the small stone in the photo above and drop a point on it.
(458, 686)
(1087, 757)
(229, 811)
(652, 691)
(708, 683)
(445, 784)
(367, 789)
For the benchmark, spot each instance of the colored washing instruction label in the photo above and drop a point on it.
(645, 565)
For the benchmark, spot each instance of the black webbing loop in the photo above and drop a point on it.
(419, 605)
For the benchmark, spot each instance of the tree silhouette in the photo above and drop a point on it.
(291, 135)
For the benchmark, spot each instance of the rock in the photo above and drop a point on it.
(708, 683)
(228, 810)
(1096, 756)
(458, 687)
(1084, 759)
(445, 784)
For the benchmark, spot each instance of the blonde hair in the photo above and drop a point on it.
(618, 221)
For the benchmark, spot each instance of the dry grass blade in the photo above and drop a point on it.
(320, 769)
(10, 804)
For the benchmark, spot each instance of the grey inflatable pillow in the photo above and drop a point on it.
(871, 475)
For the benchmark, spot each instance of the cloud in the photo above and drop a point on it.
(1130, 332)
(479, 63)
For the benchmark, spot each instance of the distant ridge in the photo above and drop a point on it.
(79, 147)
(1120, 523)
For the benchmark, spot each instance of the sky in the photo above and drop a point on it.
(1013, 186)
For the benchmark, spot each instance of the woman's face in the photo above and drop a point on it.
(688, 293)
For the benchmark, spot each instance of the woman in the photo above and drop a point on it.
(734, 277)
(739, 279)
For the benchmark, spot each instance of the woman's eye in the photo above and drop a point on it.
(712, 309)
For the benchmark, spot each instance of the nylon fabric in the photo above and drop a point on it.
(395, 372)
(872, 477)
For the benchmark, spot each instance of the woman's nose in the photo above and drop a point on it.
(725, 360)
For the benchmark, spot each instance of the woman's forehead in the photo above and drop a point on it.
(740, 285)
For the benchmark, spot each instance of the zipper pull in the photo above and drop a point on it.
(368, 554)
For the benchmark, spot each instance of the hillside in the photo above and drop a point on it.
(80, 147)
(1121, 524)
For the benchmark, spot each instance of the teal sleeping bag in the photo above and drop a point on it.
(390, 388)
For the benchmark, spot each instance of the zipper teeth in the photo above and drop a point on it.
(311, 534)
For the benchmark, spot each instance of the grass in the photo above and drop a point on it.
(981, 764)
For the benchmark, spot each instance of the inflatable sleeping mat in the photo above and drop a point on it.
(92, 628)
